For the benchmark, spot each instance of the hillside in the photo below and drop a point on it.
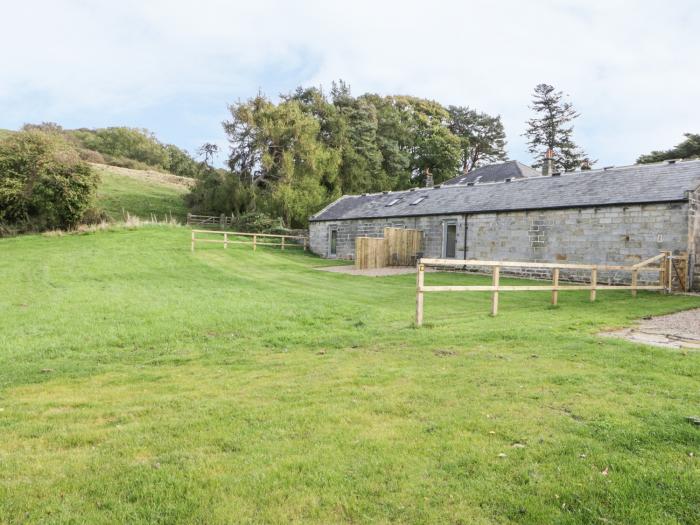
(141, 192)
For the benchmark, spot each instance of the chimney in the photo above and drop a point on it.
(428, 178)
(548, 166)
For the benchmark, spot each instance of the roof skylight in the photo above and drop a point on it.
(418, 201)
(393, 202)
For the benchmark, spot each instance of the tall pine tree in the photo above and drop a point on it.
(551, 129)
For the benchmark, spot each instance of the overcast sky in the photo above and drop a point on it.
(631, 68)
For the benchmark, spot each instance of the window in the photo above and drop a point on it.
(418, 201)
(449, 248)
(393, 202)
(334, 243)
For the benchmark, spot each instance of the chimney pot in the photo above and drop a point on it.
(548, 165)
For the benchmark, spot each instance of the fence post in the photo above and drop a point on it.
(282, 243)
(669, 272)
(635, 276)
(420, 279)
(192, 246)
(594, 282)
(682, 271)
(555, 283)
(189, 216)
(496, 277)
(304, 243)
(225, 240)
(255, 237)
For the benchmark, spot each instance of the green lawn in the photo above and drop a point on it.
(119, 194)
(142, 383)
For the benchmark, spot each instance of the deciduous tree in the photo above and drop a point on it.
(482, 138)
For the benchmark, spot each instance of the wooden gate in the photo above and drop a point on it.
(679, 267)
(398, 247)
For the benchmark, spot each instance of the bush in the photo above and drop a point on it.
(135, 144)
(43, 182)
(89, 155)
(218, 191)
(258, 222)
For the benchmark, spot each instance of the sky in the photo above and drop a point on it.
(631, 68)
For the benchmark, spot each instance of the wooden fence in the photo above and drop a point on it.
(284, 241)
(221, 221)
(370, 252)
(665, 281)
(398, 247)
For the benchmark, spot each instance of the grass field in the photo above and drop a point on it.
(141, 196)
(141, 383)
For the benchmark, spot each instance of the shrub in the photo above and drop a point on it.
(258, 222)
(135, 144)
(89, 155)
(43, 182)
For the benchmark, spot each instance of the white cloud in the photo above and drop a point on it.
(630, 68)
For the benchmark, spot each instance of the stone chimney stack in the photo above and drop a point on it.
(548, 166)
(428, 178)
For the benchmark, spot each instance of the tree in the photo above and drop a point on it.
(277, 149)
(43, 182)
(427, 140)
(208, 151)
(300, 153)
(482, 138)
(551, 129)
(688, 149)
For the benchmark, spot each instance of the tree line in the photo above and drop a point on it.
(287, 159)
(125, 147)
(290, 158)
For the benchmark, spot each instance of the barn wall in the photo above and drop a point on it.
(319, 233)
(606, 235)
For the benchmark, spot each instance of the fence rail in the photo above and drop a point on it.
(221, 221)
(664, 270)
(254, 242)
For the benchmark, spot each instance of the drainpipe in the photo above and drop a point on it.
(466, 229)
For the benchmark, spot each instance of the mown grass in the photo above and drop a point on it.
(140, 383)
(120, 194)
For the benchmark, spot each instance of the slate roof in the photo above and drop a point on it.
(511, 169)
(643, 183)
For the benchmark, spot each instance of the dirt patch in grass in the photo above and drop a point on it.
(680, 330)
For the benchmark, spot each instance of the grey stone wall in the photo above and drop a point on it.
(616, 235)
(432, 227)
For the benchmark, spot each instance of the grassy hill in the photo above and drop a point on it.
(143, 383)
(140, 193)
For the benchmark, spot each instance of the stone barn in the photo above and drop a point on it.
(615, 216)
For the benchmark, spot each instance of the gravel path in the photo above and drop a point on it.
(374, 272)
(681, 330)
